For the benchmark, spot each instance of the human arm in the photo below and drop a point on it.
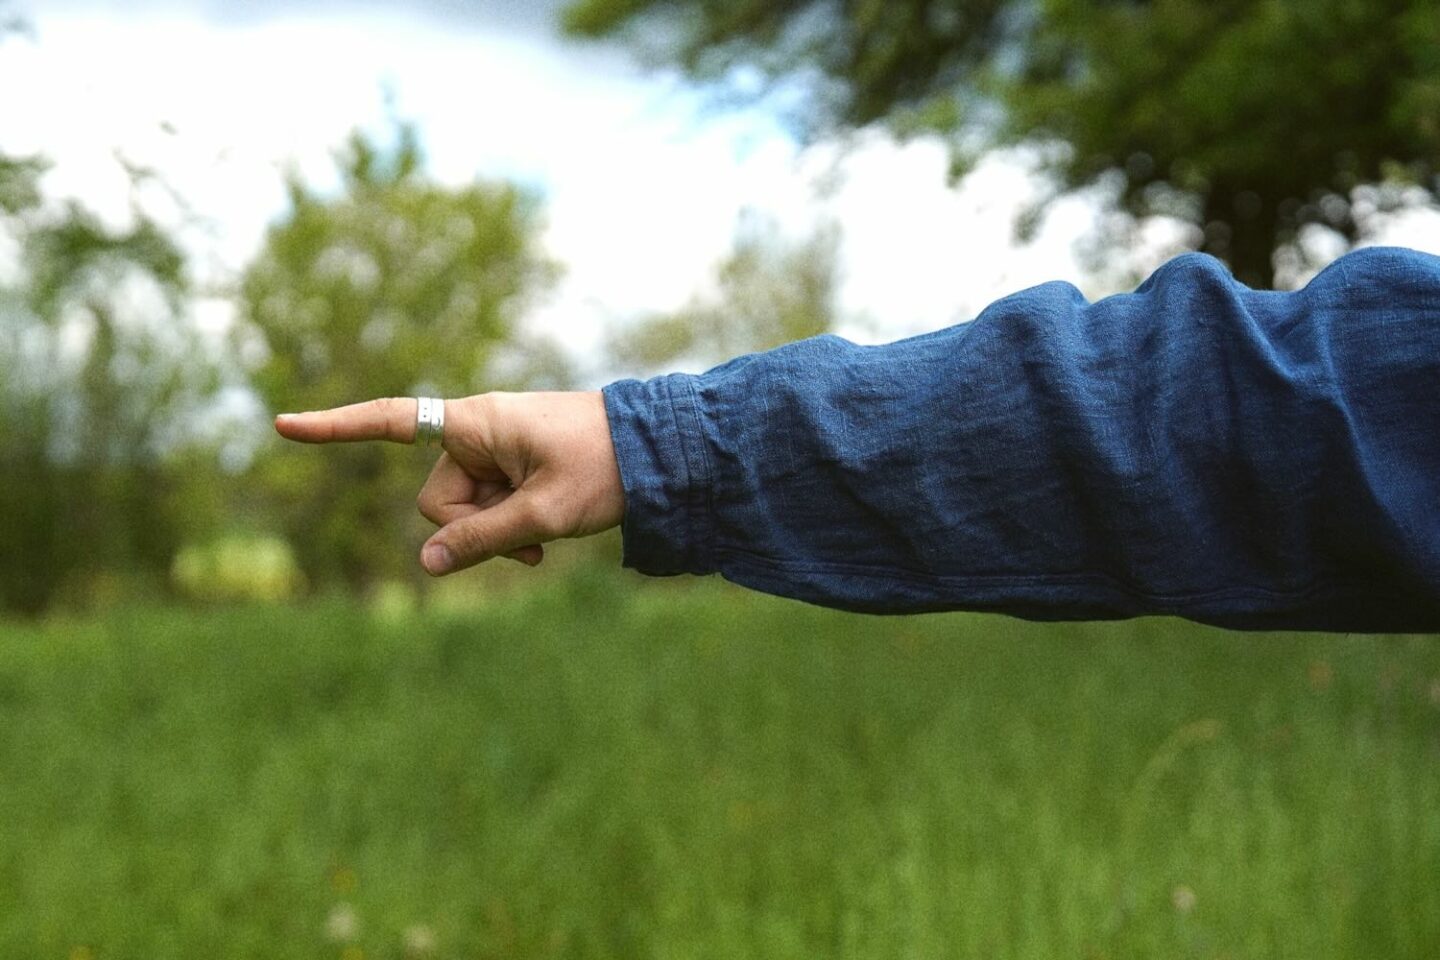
(1257, 460)
(1251, 459)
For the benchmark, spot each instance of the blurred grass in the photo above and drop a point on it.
(597, 770)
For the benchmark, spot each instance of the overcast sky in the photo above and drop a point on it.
(534, 17)
(643, 187)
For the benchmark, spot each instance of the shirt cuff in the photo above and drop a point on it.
(665, 471)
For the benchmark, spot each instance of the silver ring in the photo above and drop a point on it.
(429, 422)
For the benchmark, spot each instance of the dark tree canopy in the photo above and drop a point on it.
(1249, 118)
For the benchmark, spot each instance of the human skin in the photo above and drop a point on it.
(518, 469)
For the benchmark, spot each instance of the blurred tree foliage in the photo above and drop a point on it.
(397, 286)
(100, 369)
(769, 291)
(1248, 118)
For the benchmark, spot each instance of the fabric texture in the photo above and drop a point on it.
(1250, 459)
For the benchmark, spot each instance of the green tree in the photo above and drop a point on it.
(768, 291)
(397, 286)
(100, 372)
(1248, 118)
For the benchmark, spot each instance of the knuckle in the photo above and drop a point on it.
(392, 410)
(486, 408)
(473, 543)
(479, 417)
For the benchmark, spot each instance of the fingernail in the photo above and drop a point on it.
(437, 559)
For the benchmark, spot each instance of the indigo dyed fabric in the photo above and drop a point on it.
(1251, 459)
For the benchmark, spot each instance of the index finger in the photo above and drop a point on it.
(389, 418)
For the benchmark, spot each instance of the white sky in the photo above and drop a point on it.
(643, 188)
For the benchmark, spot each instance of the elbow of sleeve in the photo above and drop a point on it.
(660, 449)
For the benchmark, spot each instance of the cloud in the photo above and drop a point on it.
(535, 17)
(642, 187)
(641, 197)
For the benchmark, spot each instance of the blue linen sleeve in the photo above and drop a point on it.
(1249, 459)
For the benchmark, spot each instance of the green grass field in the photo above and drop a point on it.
(597, 770)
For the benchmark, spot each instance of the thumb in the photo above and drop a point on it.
(510, 524)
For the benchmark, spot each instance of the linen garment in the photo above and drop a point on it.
(1250, 459)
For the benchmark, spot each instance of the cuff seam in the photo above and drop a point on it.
(699, 480)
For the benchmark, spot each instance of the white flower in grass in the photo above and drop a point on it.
(1183, 899)
(343, 925)
(419, 941)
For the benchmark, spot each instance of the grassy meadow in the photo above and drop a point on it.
(602, 768)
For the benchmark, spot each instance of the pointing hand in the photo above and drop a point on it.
(519, 469)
